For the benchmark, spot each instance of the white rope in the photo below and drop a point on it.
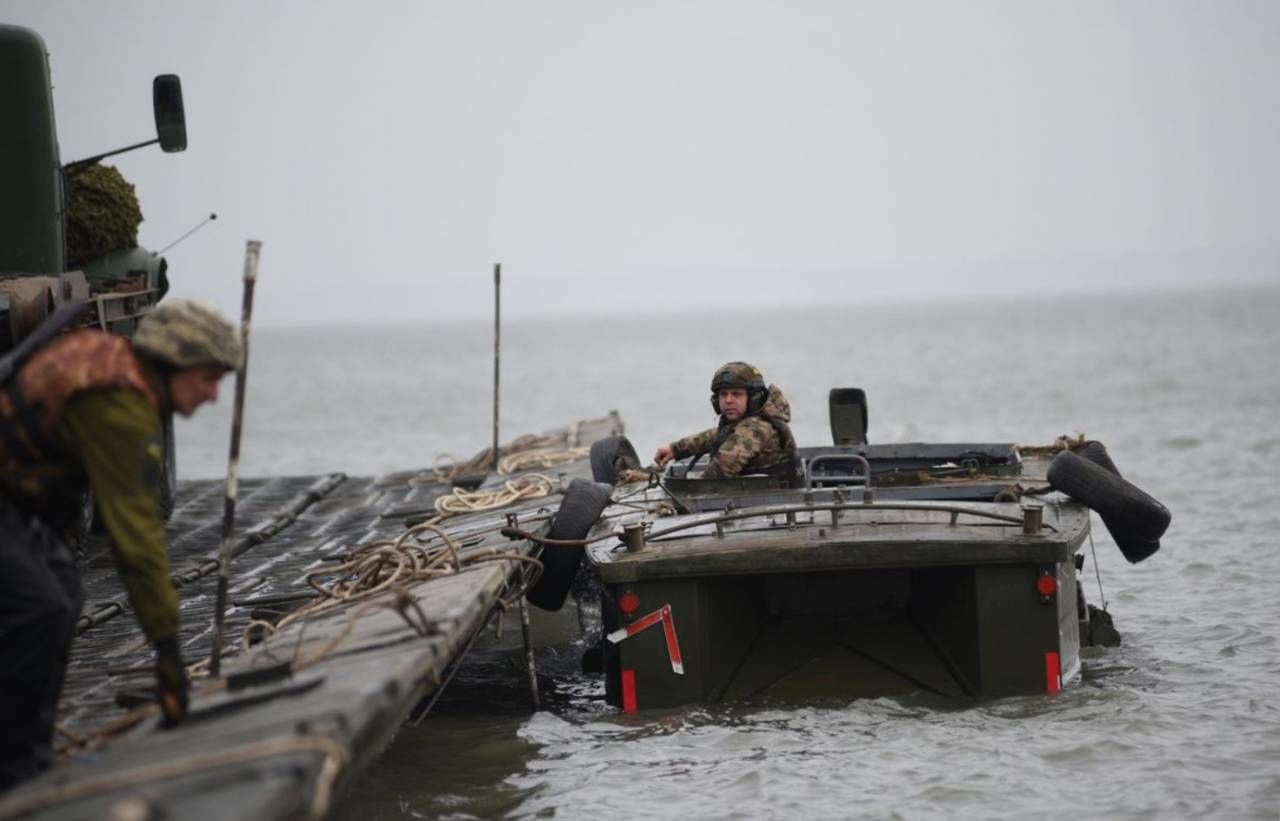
(529, 486)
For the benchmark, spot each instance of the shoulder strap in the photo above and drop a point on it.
(722, 435)
(55, 323)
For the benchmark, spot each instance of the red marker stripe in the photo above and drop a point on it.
(628, 691)
(636, 626)
(1052, 674)
(673, 645)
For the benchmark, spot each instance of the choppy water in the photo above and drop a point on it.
(1180, 721)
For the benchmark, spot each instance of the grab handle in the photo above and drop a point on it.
(832, 457)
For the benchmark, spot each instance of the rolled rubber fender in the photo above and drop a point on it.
(605, 454)
(1135, 548)
(1102, 629)
(1135, 520)
(1096, 452)
(581, 507)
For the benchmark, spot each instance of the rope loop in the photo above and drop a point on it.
(528, 486)
(540, 458)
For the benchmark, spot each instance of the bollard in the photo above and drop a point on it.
(1032, 519)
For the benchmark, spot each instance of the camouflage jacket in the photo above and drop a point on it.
(748, 445)
(105, 409)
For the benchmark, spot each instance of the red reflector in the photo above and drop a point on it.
(629, 603)
(628, 691)
(1052, 675)
(1046, 585)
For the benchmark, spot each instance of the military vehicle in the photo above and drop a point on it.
(120, 284)
(873, 570)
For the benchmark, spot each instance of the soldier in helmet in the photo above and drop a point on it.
(85, 411)
(752, 435)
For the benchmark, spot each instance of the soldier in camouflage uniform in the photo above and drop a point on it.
(752, 435)
(85, 411)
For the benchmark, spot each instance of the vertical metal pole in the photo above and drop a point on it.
(251, 250)
(528, 654)
(497, 338)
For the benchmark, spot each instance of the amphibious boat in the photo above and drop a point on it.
(877, 569)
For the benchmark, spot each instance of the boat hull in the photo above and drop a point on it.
(965, 631)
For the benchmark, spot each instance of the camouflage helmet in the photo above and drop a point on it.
(186, 334)
(737, 375)
(743, 376)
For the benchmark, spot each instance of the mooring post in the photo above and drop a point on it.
(528, 654)
(1032, 518)
(497, 339)
(251, 251)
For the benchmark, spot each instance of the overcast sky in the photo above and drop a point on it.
(643, 157)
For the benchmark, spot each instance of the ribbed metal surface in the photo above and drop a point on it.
(110, 637)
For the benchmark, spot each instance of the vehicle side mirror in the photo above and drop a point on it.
(171, 120)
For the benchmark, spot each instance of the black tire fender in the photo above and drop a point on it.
(605, 456)
(1135, 520)
(1096, 452)
(580, 509)
(1134, 547)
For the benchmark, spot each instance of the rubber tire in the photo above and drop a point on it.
(1102, 629)
(1135, 520)
(1096, 452)
(1133, 546)
(605, 454)
(580, 509)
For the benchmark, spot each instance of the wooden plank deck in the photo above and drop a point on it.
(282, 748)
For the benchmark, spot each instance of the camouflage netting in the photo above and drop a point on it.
(102, 214)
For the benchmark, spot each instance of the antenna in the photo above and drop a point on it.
(202, 224)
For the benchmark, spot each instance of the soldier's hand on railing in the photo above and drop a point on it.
(665, 454)
(171, 681)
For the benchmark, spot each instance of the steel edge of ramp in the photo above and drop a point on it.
(292, 757)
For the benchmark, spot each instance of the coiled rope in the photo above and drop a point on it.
(461, 500)
(1063, 442)
(540, 458)
(377, 574)
(552, 449)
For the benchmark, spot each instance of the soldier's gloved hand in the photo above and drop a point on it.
(171, 681)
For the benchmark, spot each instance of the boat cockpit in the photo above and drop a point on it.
(851, 468)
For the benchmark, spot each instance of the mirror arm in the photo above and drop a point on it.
(72, 166)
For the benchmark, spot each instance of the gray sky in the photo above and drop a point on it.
(645, 157)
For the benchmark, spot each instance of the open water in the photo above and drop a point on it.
(1181, 721)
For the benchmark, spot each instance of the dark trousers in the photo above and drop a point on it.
(40, 598)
